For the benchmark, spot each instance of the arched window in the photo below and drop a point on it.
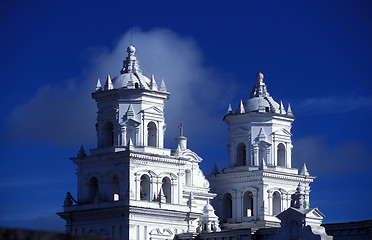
(227, 206)
(166, 186)
(115, 188)
(277, 205)
(262, 154)
(281, 155)
(241, 154)
(248, 204)
(136, 85)
(145, 188)
(93, 188)
(188, 177)
(152, 134)
(108, 134)
(131, 134)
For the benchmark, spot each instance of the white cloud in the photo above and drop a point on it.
(65, 113)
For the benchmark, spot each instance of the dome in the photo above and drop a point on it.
(121, 81)
(208, 208)
(257, 104)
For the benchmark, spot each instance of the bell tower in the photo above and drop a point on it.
(130, 108)
(260, 180)
(130, 186)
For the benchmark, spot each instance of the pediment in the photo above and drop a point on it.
(153, 110)
(132, 122)
(282, 132)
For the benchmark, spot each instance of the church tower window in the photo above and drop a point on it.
(188, 177)
(262, 154)
(166, 186)
(93, 188)
(115, 188)
(281, 155)
(108, 133)
(145, 188)
(248, 204)
(131, 134)
(227, 206)
(276, 203)
(152, 134)
(241, 155)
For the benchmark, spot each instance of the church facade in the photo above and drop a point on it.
(131, 187)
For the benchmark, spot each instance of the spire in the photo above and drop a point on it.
(130, 64)
(130, 143)
(240, 109)
(163, 88)
(108, 85)
(215, 170)
(153, 85)
(304, 171)
(229, 110)
(289, 112)
(261, 135)
(130, 113)
(98, 86)
(281, 108)
(82, 153)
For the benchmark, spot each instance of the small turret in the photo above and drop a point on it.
(162, 88)
(153, 85)
(289, 112)
(229, 110)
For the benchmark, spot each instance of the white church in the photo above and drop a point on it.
(131, 187)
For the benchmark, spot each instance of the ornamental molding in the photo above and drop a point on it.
(142, 159)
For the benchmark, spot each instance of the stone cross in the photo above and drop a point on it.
(181, 127)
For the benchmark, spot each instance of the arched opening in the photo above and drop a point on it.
(131, 134)
(262, 154)
(293, 229)
(281, 155)
(241, 153)
(93, 188)
(152, 134)
(145, 188)
(115, 188)
(136, 85)
(277, 205)
(108, 134)
(248, 204)
(188, 177)
(166, 186)
(227, 206)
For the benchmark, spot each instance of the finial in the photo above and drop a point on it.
(215, 170)
(153, 85)
(81, 153)
(281, 108)
(260, 76)
(163, 88)
(181, 127)
(108, 85)
(304, 171)
(240, 109)
(289, 112)
(131, 50)
(98, 86)
(229, 110)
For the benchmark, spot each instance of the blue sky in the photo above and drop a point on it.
(314, 54)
